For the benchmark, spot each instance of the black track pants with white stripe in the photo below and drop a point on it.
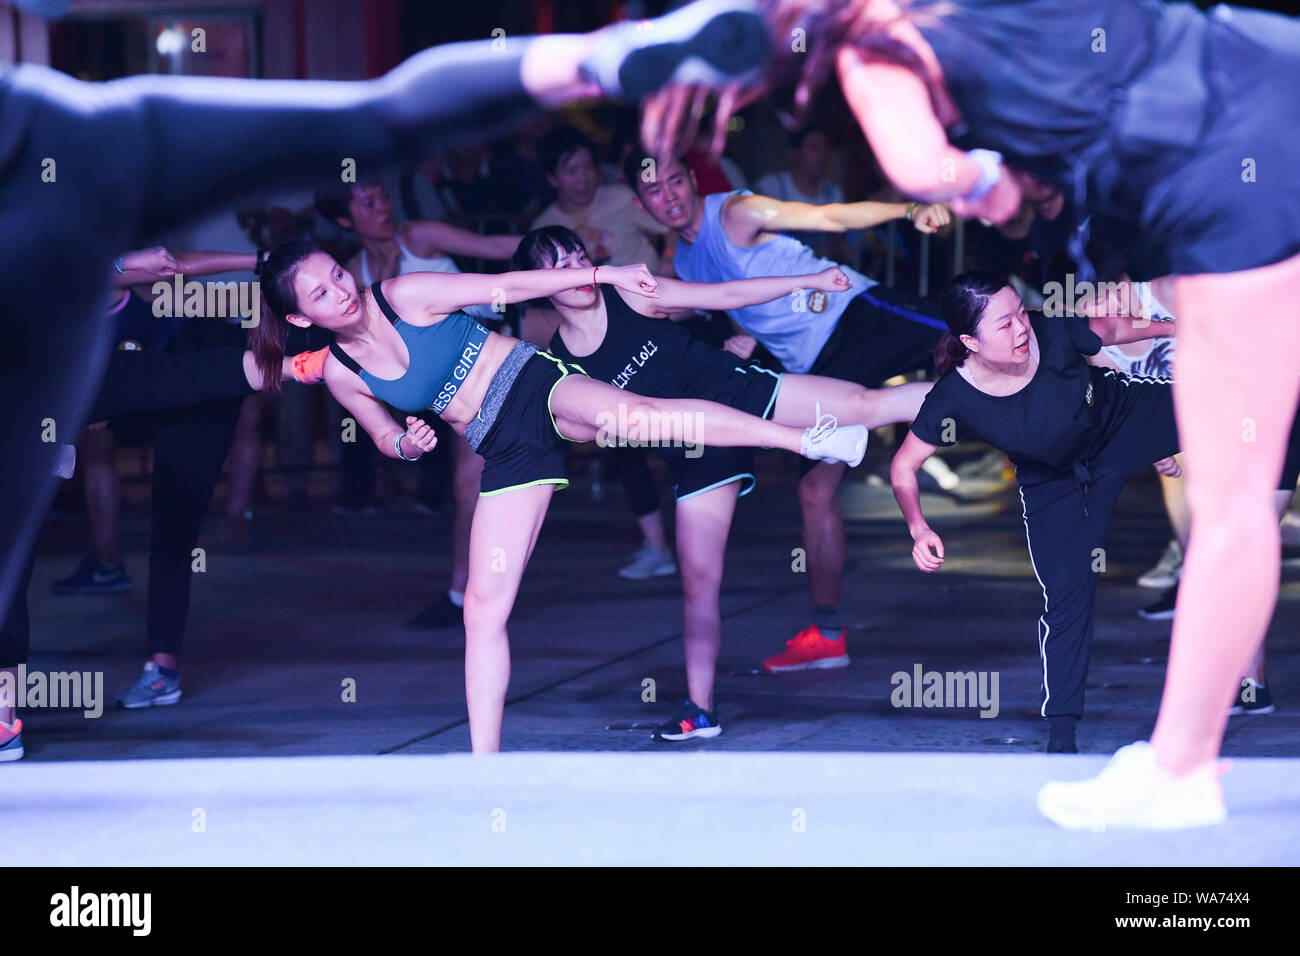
(1066, 520)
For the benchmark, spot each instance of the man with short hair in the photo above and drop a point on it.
(866, 335)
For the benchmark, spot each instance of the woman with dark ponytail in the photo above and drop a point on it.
(406, 343)
(963, 303)
(194, 145)
(605, 332)
(1076, 433)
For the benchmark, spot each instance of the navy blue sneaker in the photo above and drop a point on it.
(689, 722)
(709, 42)
(94, 577)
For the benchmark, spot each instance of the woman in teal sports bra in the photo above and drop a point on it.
(406, 343)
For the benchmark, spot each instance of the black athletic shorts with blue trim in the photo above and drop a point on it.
(749, 388)
(884, 332)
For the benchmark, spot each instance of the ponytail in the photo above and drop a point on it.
(949, 353)
(275, 274)
(266, 339)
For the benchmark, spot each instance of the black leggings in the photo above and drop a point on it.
(139, 381)
(190, 447)
(93, 170)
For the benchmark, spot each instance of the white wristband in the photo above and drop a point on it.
(990, 164)
(397, 447)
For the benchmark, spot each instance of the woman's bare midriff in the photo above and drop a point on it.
(466, 403)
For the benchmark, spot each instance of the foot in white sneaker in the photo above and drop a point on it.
(1167, 570)
(827, 441)
(1134, 792)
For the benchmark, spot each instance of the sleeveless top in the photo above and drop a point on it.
(441, 356)
(652, 357)
(410, 262)
(793, 328)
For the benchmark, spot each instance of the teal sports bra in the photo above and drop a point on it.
(441, 357)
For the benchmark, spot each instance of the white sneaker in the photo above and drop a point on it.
(827, 441)
(1134, 792)
(938, 469)
(1167, 570)
(648, 563)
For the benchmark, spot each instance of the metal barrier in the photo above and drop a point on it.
(956, 243)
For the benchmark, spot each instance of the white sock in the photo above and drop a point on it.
(457, 597)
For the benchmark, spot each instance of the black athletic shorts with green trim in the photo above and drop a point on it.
(524, 446)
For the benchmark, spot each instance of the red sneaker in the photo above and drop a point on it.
(809, 649)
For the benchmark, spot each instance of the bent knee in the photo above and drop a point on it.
(819, 489)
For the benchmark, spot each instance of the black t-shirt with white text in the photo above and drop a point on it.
(652, 357)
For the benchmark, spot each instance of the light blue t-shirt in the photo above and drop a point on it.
(793, 328)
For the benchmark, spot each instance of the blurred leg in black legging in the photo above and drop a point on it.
(190, 447)
(136, 381)
(653, 559)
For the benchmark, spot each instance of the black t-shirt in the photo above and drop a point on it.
(1044, 427)
(652, 357)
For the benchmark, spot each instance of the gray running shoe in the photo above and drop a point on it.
(648, 562)
(151, 690)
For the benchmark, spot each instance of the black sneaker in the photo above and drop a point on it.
(690, 721)
(438, 615)
(1163, 609)
(710, 42)
(1253, 698)
(94, 577)
(1060, 738)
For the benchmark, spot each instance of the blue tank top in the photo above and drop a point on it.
(410, 262)
(441, 356)
(793, 328)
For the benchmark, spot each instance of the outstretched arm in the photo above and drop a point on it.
(1120, 329)
(213, 263)
(745, 217)
(437, 293)
(428, 237)
(907, 492)
(677, 297)
(143, 266)
(893, 107)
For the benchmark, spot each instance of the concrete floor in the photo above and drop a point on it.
(277, 628)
